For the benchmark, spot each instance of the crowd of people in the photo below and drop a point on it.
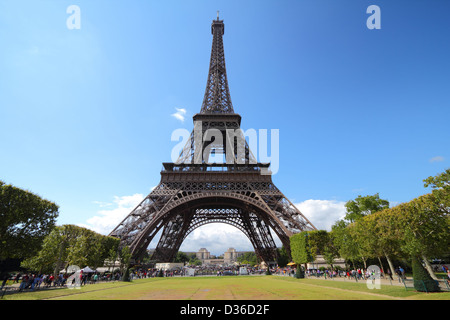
(210, 270)
(357, 274)
(29, 281)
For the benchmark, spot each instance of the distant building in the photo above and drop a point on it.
(229, 257)
(203, 254)
(231, 254)
(320, 262)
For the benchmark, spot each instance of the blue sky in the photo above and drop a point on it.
(86, 115)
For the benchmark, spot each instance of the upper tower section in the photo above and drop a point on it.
(217, 94)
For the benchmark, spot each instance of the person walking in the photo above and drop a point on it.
(402, 273)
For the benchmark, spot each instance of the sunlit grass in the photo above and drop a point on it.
(229, 288)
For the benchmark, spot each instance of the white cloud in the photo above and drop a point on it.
(179, 114)
(108, 219)
(322, 213)
(102, 204)
(216, 238)
(437, 159)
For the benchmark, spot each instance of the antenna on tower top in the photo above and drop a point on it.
(217, 15)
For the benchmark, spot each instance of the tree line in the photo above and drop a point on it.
(417, 230)
(68, 245)
(30, 239)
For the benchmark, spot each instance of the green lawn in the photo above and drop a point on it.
(230, 288)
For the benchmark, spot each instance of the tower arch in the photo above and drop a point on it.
(176, 222)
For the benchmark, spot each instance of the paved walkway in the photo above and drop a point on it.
(409, 283)
(394, 282)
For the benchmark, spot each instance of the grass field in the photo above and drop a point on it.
(229, 288)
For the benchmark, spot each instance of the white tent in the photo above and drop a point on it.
(87, 270)
(190, 272)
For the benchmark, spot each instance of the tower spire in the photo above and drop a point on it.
(217, 94)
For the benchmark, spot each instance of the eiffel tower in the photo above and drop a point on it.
(195, 190)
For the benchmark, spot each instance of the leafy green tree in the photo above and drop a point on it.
(54, 250)
(77, 252)
(345, 242)
(330, 251)
(365, 238)
(363, 206)
(125, 257)
(248, 258)
(300, 249)
(426, 228)
(440, 181)
(282, 257)
(351, 237)
(321, 243)
(439, 203)
(112, 257)
(110, 246)
(318, 240)
(181, 257)
(25, 220)
(71, 245)
(299, 272)
(194, 261)
(384, 236)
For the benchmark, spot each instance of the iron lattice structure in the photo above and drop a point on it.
(194, 192)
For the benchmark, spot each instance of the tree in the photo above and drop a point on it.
(352, 236)
(194, 260)
(112, 257)
(25, 220)
(71, 245)
(300, 250)
(361, 240)
(425, 228)
(318, 240)
(181, 257)
(53, 253)
(385, 235)
(125, 256)
(248, 258)
(330, 251)
(440, 181)
(282, 257)
(439, 203)
(363, 206)
(345, 242)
